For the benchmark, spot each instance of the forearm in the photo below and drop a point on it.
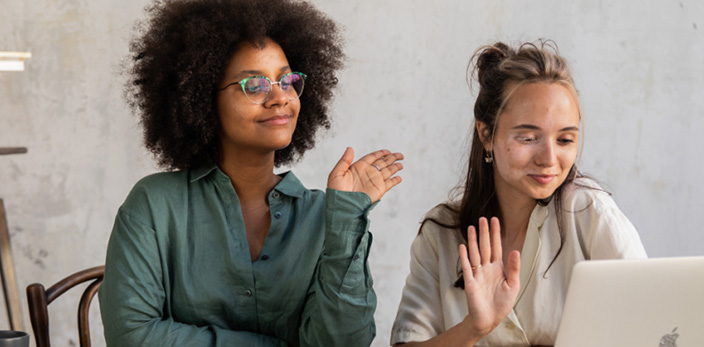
(167, 332)
(340, 307)
(134, 317)
(457, 336)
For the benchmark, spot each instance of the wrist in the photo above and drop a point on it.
(473, 333)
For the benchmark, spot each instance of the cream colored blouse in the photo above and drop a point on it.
(593, 228)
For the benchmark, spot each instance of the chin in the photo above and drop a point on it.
(543, 193)
(285, 144)
(280, 142)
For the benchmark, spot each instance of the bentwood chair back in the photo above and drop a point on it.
(38, 300)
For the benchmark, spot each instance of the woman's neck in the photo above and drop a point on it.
(252, 178)
(515, 213)
(515, 216)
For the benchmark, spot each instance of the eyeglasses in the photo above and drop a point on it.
(257, 89)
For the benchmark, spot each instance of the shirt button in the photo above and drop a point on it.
(265, 257)
(276, 195)
(277, 215)
(356, 257)
(510, 325)
(248, 292)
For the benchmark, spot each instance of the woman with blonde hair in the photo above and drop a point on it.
(492, 268)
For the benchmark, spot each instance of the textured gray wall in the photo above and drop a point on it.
(639, 68)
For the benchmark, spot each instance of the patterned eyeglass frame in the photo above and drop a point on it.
(244, 81)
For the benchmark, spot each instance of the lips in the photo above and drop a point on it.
(277, 120)
(543, 179)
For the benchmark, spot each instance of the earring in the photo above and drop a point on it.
(489, 158)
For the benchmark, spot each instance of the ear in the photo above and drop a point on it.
(484, 135)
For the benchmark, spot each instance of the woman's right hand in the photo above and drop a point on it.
(491, 292)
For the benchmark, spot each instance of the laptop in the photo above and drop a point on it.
(646, 302)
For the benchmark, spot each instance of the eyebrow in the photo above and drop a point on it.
(257, 72)
(534, 127)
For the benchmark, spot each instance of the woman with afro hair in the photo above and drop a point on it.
(219, 250)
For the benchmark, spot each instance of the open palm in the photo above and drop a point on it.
(373, 174)
(491, 292)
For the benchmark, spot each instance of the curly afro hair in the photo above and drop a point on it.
(180, 56)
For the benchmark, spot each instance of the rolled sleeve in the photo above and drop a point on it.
(341, 303)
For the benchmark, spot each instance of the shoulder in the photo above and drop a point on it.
(156, 188)
(437, 228)
(439, 219)
(162, 181)
(602, 229)
(586, 193)
(445, 213)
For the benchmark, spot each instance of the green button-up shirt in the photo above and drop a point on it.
(178, 270)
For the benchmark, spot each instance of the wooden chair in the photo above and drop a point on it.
(38, 299)
(7, 273)
(7, 264)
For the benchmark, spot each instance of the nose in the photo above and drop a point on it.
(546, 155)
(277, 96)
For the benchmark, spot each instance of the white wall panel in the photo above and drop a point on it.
(639, 68)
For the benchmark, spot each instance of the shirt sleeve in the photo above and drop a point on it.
(132, 297)
(339, 308)
(420, 314)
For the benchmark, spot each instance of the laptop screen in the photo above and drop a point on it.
(645, 302)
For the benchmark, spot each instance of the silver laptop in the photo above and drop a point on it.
(648, 302)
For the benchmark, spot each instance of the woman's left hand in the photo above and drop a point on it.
(373, 174)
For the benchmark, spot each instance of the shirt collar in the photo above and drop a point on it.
(531, 248)
(289, 185)
(201, 172)
(539, 215)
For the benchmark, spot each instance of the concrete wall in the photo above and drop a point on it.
(639, 68)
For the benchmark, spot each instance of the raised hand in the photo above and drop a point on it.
(491, 292)
(373, 174)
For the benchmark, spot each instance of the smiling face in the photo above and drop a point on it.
(259, 129)
(535, 143)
